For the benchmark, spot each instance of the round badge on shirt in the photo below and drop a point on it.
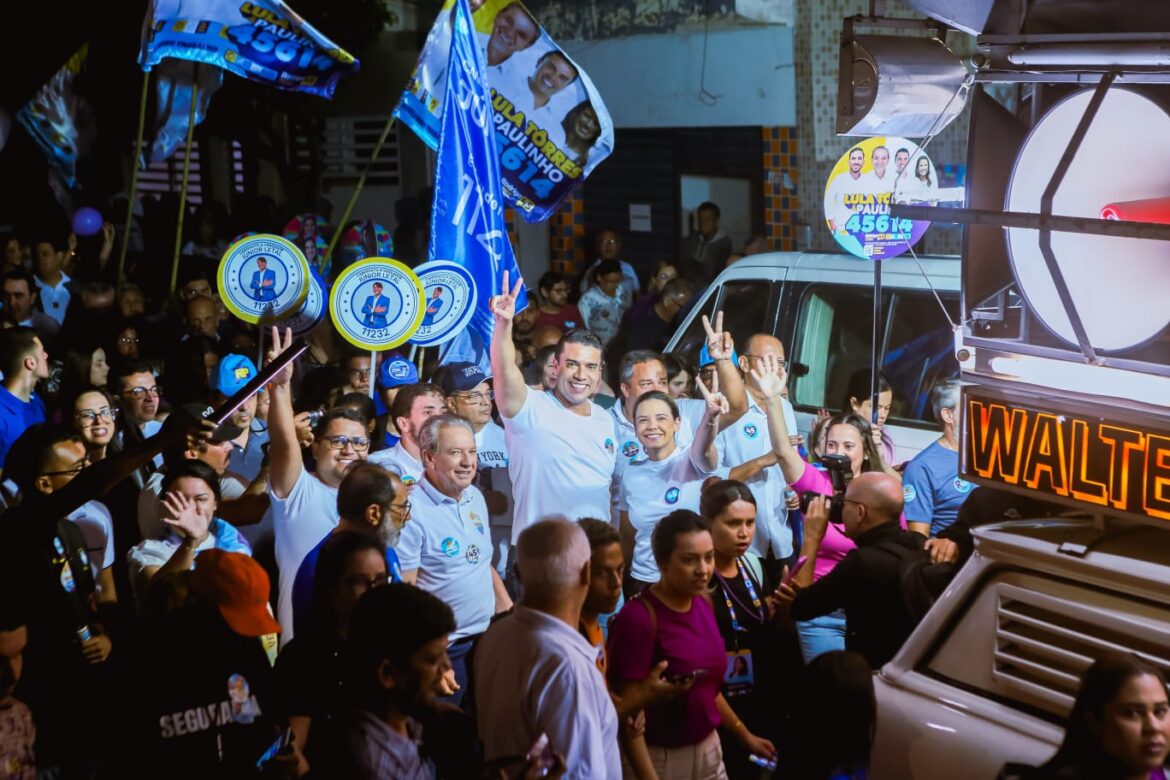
(609, 446)
(672, 495)
(377, 303)
(630, 449)
(263, 278)
(962, 485)
(449, 546)
(751, 431)
(449, 298)
(909, 493)
(472, 553)
(312, 311)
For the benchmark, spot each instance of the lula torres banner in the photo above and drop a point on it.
(264, 41)
(551, 126)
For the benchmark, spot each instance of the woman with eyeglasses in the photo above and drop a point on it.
(312, 668)
(190, 499)
(93, 418)
(127, 339)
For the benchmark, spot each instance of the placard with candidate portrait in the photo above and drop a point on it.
(552, 128)
(263, 278)
(864, 183)
(449, 298)
(376, 303)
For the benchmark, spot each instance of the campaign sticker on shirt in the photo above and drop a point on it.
(449, 297)
(449, 546)
(376, 303)
(245, 708)
(672, 495)
(909, 493)
(312, 311)
(472, 553)
(631, 449)
(263, 278)
(475, 519)
(751, 431)
(609, 446)
(962, 485)
(67, 578)
(407, 480)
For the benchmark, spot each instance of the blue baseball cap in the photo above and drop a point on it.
(232, 373)
(396, 371)
(460, 378)
(705, 357)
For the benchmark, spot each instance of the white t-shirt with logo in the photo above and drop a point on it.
(449, 543)
(650, 490)
(561, 463)
(300, 522)
(690, 413)
(748, 438)
(492, 448)
(401, 462)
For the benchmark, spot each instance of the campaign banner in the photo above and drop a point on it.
(263, 40)
(551, 127)
(52, 118)
(467, 213)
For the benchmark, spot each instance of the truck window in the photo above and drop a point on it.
(745, 311)
(1026, 640)
(833, 340)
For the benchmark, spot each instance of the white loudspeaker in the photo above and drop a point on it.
(1120, 286)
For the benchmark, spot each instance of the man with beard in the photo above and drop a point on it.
(370, 500)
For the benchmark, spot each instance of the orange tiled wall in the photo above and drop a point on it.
(567, 236)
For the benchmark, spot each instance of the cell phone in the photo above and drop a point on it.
(540, 756)
(220, 414)
(796, 567)
(766, 763)
(281, 743)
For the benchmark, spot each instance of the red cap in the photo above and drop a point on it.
(239, 587)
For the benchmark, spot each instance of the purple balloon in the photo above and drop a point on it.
(87, 221)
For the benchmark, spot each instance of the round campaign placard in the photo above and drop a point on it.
(862, 185)
(312, 310)
(263, 278)
(449, 298)
(376, 303)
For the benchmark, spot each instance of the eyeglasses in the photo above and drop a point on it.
(141, 392)
(128, 340)
(89, 417)
(360, 373)
(74, 470)
(359, 443)
(403, 510)
(476, 398)
(360, 583)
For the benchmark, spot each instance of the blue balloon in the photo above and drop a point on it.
(87, 221)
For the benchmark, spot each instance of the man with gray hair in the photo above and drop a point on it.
(931, 486)
(535, 673)
(446, 549)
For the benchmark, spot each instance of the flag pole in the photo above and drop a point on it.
(133, 180)
(361, 183)
(186, 176)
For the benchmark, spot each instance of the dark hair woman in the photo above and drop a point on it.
(582, 129)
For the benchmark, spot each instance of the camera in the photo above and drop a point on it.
(840, 473)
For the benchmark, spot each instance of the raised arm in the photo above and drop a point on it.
(507, 381)
(285, 462)
(704, 452)
(769, 380)
(720, 347)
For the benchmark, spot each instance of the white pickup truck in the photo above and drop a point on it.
(990, 674)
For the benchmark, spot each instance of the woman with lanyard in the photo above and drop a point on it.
(737, 590)
(670, 477)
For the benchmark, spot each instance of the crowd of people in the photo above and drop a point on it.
(594, 561)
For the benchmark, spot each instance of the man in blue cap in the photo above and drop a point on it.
(394, 372)
(229, 377)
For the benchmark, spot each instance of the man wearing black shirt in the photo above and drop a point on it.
(867, 583)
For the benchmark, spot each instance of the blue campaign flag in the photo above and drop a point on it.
(53, 116)
(467, 216)
(175, 82)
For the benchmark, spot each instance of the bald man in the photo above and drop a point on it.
(535, 673)
(202, 317)
(867, 583)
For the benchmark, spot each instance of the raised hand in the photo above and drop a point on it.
(719, 342)
(279, 345)
(503, 306)
(181, 514)
(770, 378)
(716, 402)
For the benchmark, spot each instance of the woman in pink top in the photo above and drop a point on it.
(848, 435)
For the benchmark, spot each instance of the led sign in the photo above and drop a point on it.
(1073, 455)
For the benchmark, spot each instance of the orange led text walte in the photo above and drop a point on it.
(1095, 461)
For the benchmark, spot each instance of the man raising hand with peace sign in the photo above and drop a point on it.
(560, 444)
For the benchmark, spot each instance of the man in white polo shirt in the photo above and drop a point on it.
(446, 548)
(304, 505)
(747, 451)
(412, 407)
(561, 447)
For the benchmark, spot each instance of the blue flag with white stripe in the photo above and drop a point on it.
(467, 217)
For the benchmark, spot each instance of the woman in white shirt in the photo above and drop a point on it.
(670, 478)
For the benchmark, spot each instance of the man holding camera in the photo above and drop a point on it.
(867, 583)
